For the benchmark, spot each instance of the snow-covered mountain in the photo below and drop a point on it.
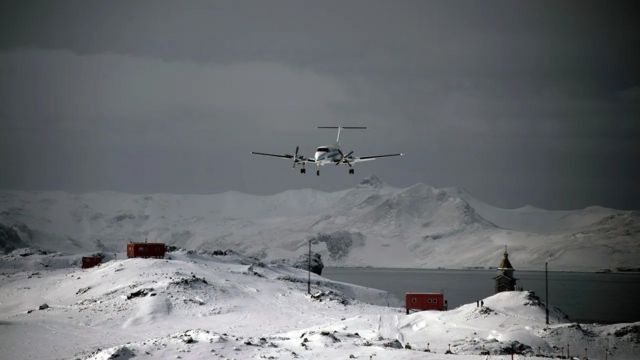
(372, 224)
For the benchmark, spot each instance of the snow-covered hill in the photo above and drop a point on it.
(372, 224)
(194, 305)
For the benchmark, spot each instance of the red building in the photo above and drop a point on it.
(90, 261)
(146, 250)
(425, 301)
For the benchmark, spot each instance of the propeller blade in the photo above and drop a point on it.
(295, 157)
(346, 158)
(341, 157)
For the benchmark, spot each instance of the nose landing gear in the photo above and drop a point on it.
(318, 172)
(351, 171)
(303, 171)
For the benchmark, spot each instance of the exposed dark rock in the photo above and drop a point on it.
(515, 347)
(316, 263)
(83, 290)
(331, 296)
(188, 281)
(339, 243)
(372, 181)
(221, 252)
(10, 239)
(172, 248)
(43, 307)
(395, 344)
(485, 310)
(139, 293)
(122, 353)
(187, 339)
(330, 336)
(632, 331)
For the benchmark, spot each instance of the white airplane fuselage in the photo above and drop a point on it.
(328, 154)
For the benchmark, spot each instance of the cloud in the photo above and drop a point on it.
(63, 90)
(141, 124)
(631, 94)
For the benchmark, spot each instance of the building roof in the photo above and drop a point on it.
(505, 263)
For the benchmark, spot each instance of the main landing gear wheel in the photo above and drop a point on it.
(303, 171)
(351, 171)
(318, 172)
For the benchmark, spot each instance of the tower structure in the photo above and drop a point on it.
(505, 280)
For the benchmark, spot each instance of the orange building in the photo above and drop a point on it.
(146, 250)
(425, 301)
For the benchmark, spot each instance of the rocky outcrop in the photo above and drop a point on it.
(316, 263)
(9, 239)
(339, 243)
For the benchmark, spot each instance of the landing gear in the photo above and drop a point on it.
(318, 172)
(351, 171)
(303, 171)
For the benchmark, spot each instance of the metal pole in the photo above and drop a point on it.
(546, 290)
(309, 270)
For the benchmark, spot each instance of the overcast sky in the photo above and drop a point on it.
(518, 102)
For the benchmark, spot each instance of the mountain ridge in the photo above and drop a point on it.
(370, 224)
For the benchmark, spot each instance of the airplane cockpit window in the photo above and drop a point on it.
(322, 149)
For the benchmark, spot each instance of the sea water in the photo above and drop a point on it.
(584, 297)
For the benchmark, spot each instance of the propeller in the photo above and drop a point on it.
(344, 158)
(295, 157)
(298, 158)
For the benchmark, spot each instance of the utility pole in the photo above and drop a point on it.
(309, 270)
(546, 289)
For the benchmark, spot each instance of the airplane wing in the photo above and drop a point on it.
(284, 156)
(369, 158)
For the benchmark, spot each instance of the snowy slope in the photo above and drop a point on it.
(199, 306)
(372, 224)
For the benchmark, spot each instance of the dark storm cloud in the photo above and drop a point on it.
(519, 102)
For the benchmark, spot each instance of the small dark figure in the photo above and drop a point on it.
(446, 305)
(481, 303)
(477, 303)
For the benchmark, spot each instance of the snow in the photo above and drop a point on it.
(249, 303)
(371, 224)
(195, 305)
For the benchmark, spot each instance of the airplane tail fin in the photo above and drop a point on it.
(340, 128)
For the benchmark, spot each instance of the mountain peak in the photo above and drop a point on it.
(372, 181)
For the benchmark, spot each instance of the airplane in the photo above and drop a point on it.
(328, 154)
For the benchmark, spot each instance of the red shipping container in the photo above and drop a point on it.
(425, 301)
(146, 250)
(90, 261)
